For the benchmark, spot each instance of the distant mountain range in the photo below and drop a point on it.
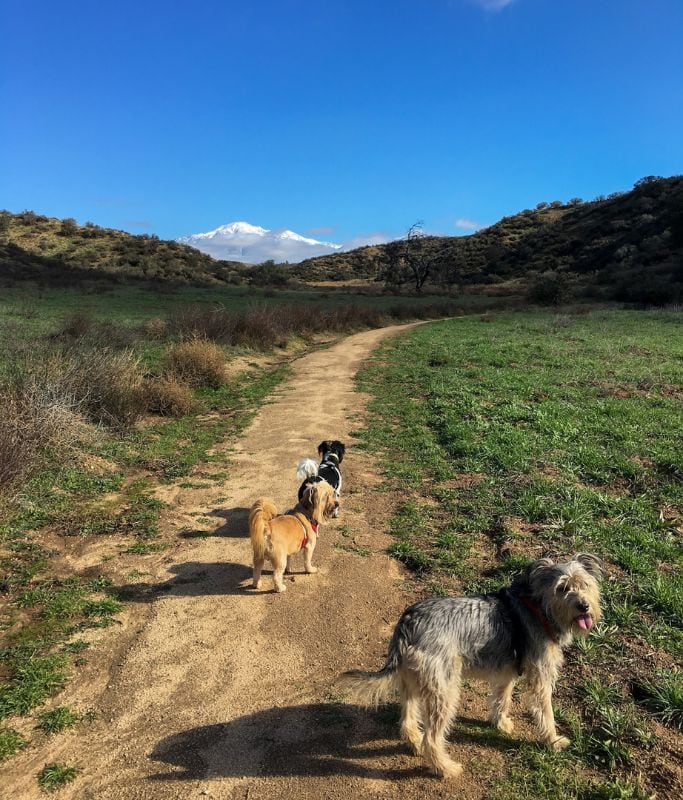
(251, 244)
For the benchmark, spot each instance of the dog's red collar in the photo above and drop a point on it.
(540, 616)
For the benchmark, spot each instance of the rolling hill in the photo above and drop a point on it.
(626, 247)
(60, 252)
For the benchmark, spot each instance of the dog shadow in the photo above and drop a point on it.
(317, 739)
(236, 524)
(308, 740)
(192, 579)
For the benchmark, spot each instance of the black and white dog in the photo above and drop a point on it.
(331, 453)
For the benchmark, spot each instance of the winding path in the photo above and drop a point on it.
(214, 690)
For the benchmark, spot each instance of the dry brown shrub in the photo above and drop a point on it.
(197, 362)
(106, 386)
(33, 420)
(82, 328)
(155, 328)
(169, 397)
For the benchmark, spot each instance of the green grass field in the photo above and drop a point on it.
(520, 435)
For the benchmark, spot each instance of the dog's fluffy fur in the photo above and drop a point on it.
(331, 453)
(278, 537)
(520, 630)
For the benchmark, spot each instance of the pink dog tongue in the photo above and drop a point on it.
(585, 621)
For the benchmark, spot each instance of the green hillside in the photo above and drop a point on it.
(60, 252)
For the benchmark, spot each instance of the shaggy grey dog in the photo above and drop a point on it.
(518, 631)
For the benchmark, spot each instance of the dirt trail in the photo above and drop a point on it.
(214, 690)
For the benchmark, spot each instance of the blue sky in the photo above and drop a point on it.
(337, 119)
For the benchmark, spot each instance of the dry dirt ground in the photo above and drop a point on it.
(208, 688)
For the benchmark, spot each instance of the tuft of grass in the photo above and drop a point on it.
(609, 742)
(358, 550)
(57, 719)
(616, 789)
(77, 646)
(662, 695)
(10, 742)
(33, 678)
(54, 776)
(600, 694)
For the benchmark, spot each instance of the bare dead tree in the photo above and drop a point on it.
(405, 259)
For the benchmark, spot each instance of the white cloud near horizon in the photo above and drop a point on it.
(467, 224)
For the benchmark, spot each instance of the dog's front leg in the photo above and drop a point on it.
(308, 557)
(542, 711)
(499, 703)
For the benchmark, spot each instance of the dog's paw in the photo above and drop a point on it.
(449, 769)
(312, 570)
(256, 584)
(281, 588)
(505, 724)
(561, 743)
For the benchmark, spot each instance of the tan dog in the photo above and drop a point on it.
(278, 537)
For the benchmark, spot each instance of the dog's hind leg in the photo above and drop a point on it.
(411, 711)
(440, 696)
(279, 563)
(258, 568)
(308, 558)
(499, 702)
(288, 568)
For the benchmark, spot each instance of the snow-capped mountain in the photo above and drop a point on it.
(240, 241)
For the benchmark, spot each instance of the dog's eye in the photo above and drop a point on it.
(564, 588)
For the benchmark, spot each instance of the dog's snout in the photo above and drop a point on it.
(583, 607)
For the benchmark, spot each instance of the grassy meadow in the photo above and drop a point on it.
(514, 436)
(38, 310)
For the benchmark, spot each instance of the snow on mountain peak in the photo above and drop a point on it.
(242, 241)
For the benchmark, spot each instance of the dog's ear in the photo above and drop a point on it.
(533, 572)
(322, 448)
(331, 504)
(592, 564)
(309, 497)
(341, 449)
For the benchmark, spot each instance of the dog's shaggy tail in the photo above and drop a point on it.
(306, 468)
(368, 688)
(260, 515)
